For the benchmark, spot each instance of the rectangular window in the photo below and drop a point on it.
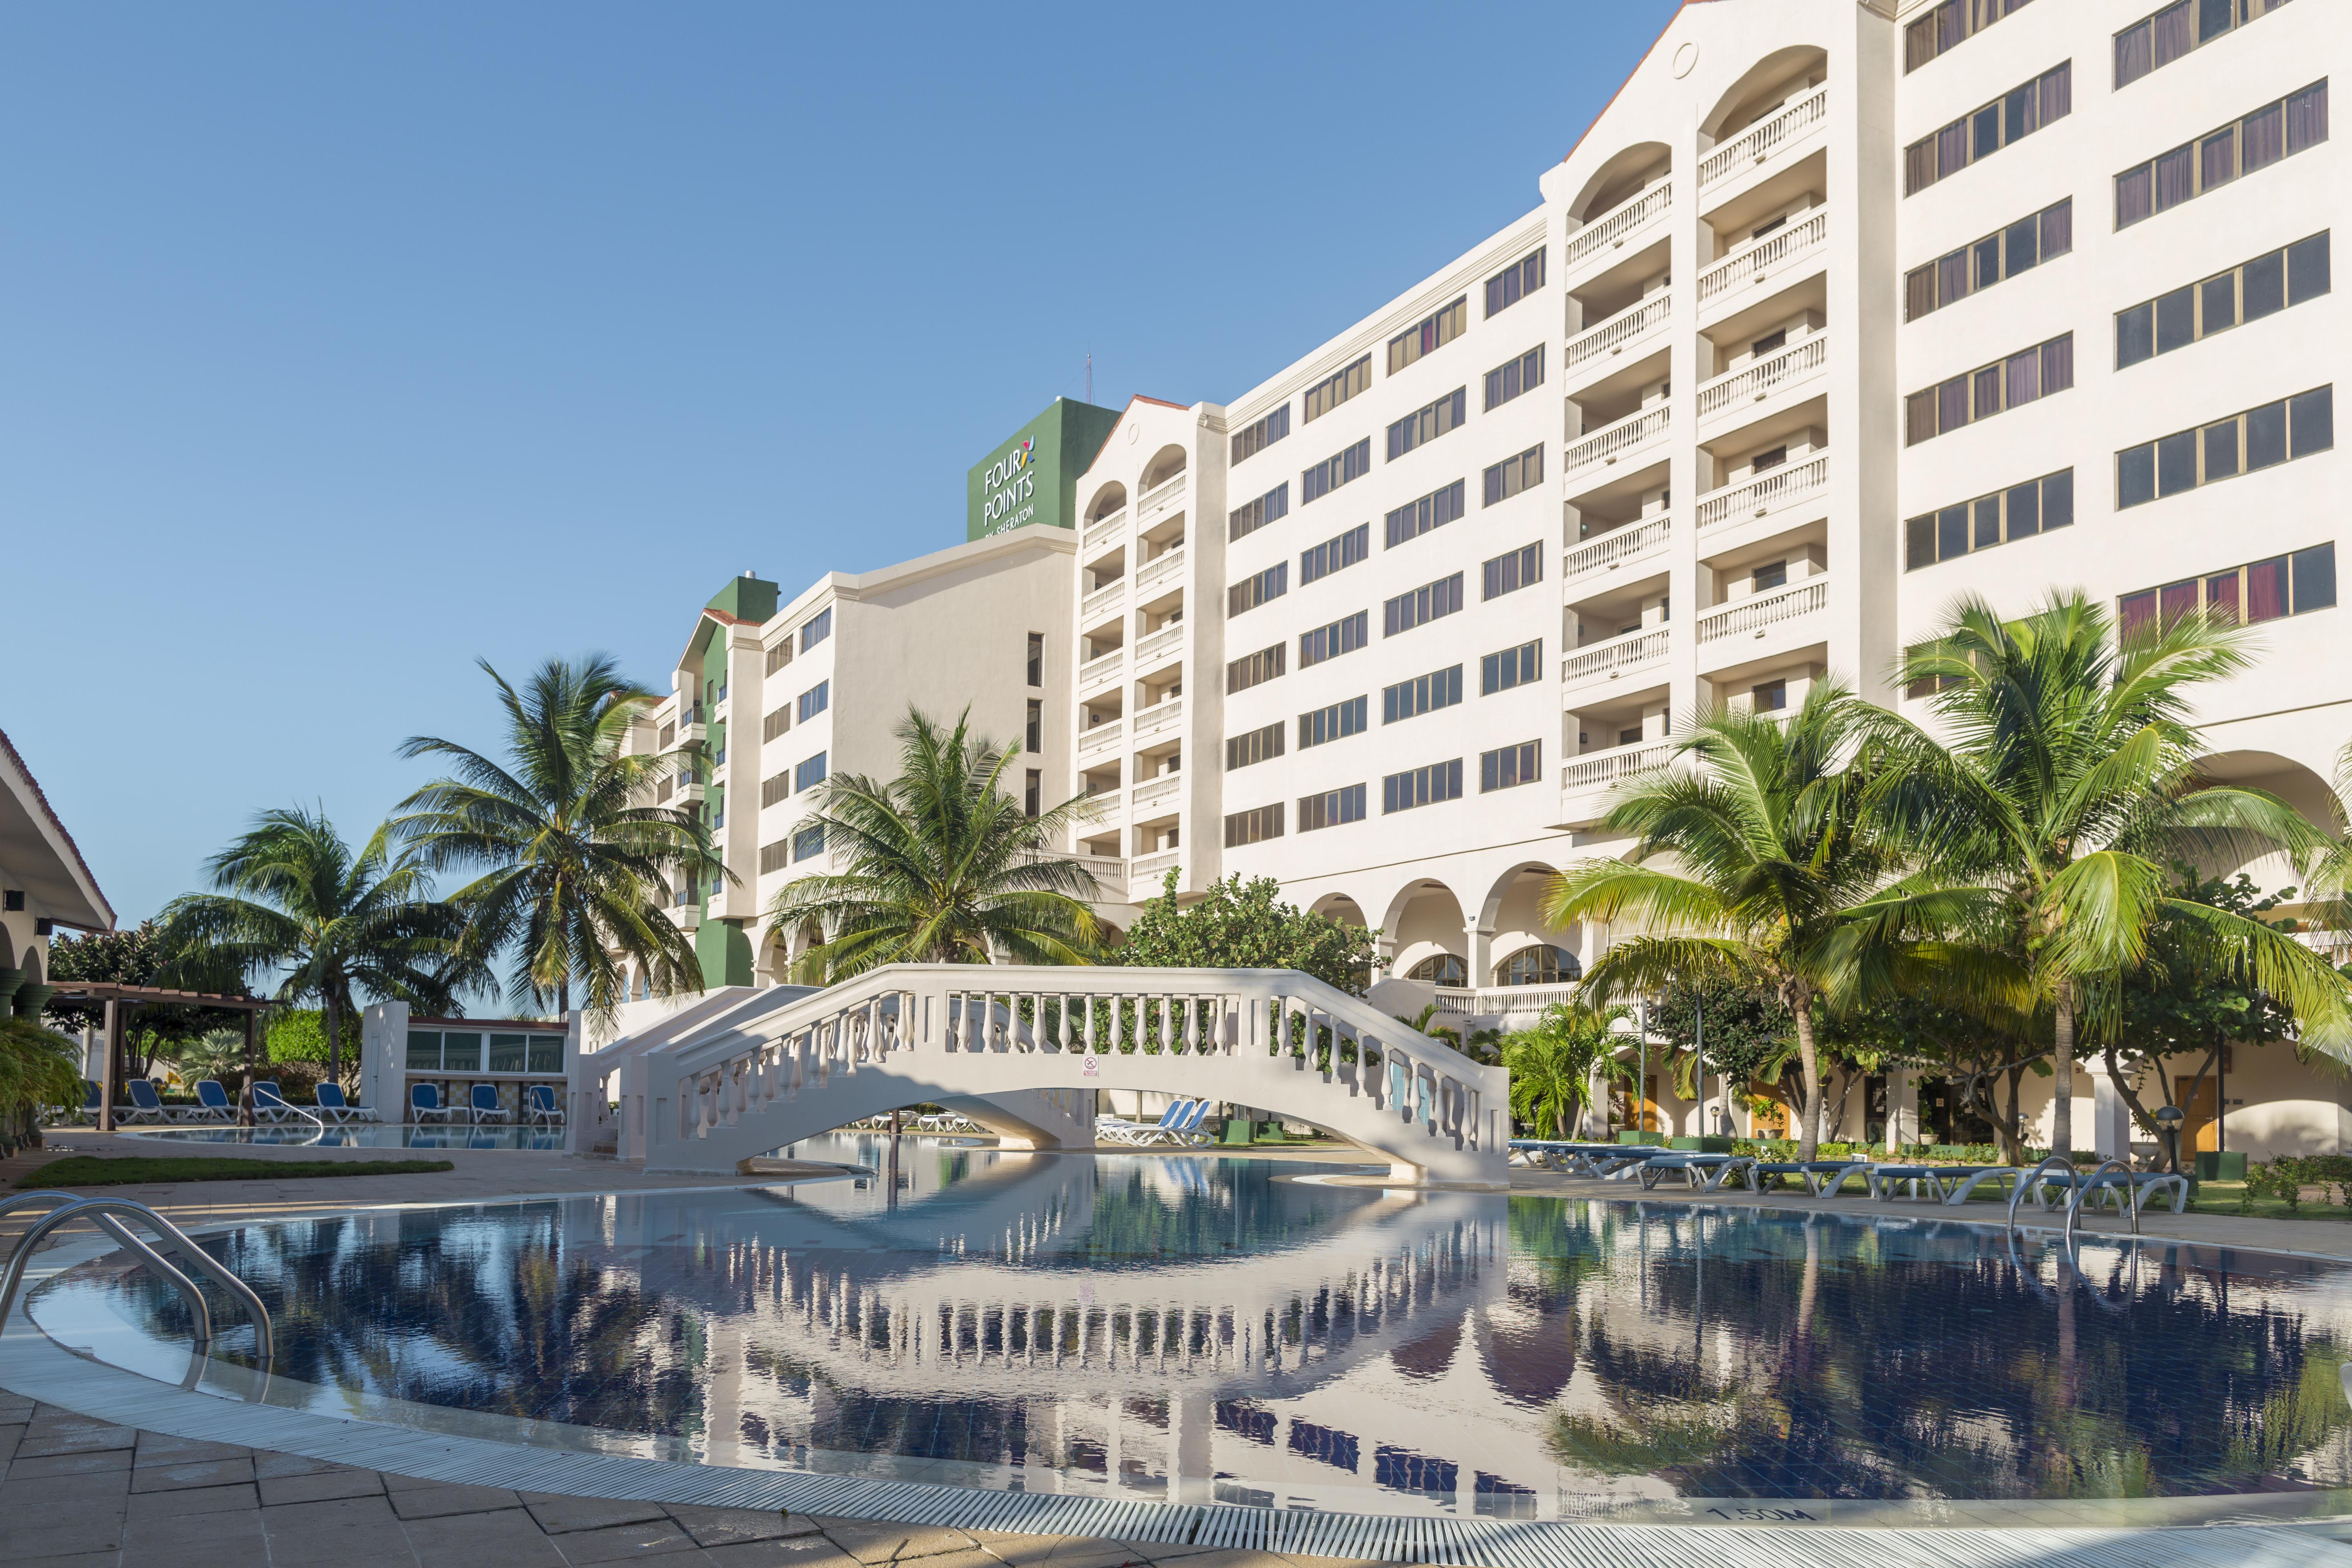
(1512, 666)
(1515, 283)
(1271, 507)
(819, 627)
(2291, 585)
(1253, 668)
(1332, 555)
(2004, 517)
(1947, 25)
(2275, 433)
(815, 700)
(1333, 808)
(2263, 286)
(1421, 786)
(1509, 766)
(1514, 376)
(2017, 113)
(1513, 571)
(1512, 475)
(1345, 634)
(1420, 606)
(1036, 659)
(1432, 334)
(1335, 470)
(2003, 254)
(1415, 518)
(1426, 425)
(1253, 826)
(776, 724)
(808, 841)
(780, 656)
(1252, 591)
(1332, 391)
(775, 856)
(773, 790)
(2154, 42)
(808, 773)
(1336, 723)
(1033, 733)
(1247, 750)
(2022, 377)
(1421, 694)
(1257, 437)
(2275, 130)
(1033, 797)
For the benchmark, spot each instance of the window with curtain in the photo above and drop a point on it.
(2022, 377)
(2277, 129)
(2016, 114)
(2261, 438)
(2291, 585)
(2005, 516)
(2263, 287)
(2154, 42)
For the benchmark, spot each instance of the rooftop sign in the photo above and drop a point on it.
(1033, 477)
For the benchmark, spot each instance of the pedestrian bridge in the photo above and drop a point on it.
(743, 1072)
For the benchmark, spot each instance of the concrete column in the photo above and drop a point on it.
(2110, 1116)
(1481, 956)
(1190, 1472)
(1902, 1107)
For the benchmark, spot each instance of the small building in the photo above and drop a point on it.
(398, 1049)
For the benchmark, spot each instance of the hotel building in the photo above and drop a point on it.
(1771, 374)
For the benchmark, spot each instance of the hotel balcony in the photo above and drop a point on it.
(1786, 253)
(1159, 569)
(1159, 498)
(1153, 791)
(1587, 782)
(1617, 443)
(1726, 400)
(1768, 144)
(1606, 341)
(1102, 737)
(1102, 670)
(1786, 616)
(1103, 529)
(1609, 234)
(1765, 494)
(1103, 601)
(1144, 872)
(1160, 716)
(1617, 549)
(1159, 644)
(1616, 656)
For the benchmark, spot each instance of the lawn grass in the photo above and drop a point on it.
(2222, 1197)
(91, 1171)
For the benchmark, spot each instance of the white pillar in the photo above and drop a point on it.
(2110, 1116)
(1902, 1107)
(1481, 957)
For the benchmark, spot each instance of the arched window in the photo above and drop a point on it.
(1441, 969)
(1538, 966)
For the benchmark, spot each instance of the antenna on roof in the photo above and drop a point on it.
(1090, 376)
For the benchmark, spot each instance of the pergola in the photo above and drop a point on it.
(121, 999)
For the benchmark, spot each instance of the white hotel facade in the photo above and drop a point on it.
(1772, 373)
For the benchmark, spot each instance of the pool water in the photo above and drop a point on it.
(1206, 1329)
(367, 1135)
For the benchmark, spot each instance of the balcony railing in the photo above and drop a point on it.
(1156, 790)
(1612, 228)
(1610, 442)
(1755, 261)
(1102, 528)
(1632, 650)
(1107, 597)
(1109, 869)
(1148, 869)
(1160, 716)
(1159, 568)
(1158, 643)
(1611, 335)
(1158, 496)
(1094, 671)
(1768, 491)
(1760, 141)
(1800, 361)
(1617, 547)
(1755, 614)
(1598, 771)
(1103, 734)
(1512, 1002)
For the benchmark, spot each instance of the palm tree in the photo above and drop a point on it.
(290, 894)
(1553, 1065)
(942, 866)
(576, 870)
(1771, 853)
(39, 1069)
(2044, 825)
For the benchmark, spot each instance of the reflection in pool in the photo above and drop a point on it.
(365, 1135)
(1203, 1328)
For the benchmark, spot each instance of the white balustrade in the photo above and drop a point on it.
(1611, 442)
(1159, 716)
(1767, 491)
(1159, 497)
(1159, 568)
(1764, 610)
(1513, 1003)
(1611, 335)
(1154, 791)
(1101, 735)
(1612, 228)
(1632, 650)
(1760, 141)
(1753, 382)
(1756, 259)
(1598, 770)
(1096, 670)
(1104, 599)
(1616, 547)
(1158, 643)
(1103, 528)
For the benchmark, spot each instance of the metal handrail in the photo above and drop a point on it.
(2090, 1184)
(71, 1206)
(2018, 1192)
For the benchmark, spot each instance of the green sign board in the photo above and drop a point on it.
(1033, 477)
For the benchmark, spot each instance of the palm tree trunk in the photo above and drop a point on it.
(564, 998)
(1808, 1062)
(2062, 1100)
(334, 1036)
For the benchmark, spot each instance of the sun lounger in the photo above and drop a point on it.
(539, 1105)
(484, 1106)
(145, 1105)
(2110, 1186)
(1118, 1130)
(424, 1103)
(213, 1103)
(1704, 1172)
(332, 1103)
(1184, 1128)
(1819, 1176)
(268, 1103)
(90, 1094)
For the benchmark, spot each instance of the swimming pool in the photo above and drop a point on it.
(365, 1135)
(1208, 1330)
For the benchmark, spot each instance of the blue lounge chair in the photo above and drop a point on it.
(1821, 1177)
(146, 1105)
(268, 1103)
(485, 1106)
(1181, 1128)
(424, 1103)
(1118, 1130)
(213, 1103)
(539, 1105)
(332, 1103)
(1703, 1172)
(90, 1095)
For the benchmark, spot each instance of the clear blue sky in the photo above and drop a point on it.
(346, 345)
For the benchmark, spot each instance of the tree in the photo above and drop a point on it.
(1979, 1046)
(1246, 925)
(1772, 851)
(942, 865)
(2044, 825)
(1748, 1033)
(136, 955)
(1553, 1065)
(39, 1069)
(290, 895)
(576, 869)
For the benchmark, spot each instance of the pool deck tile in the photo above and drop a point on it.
(437, 1500)
(322, 1486)
(28, 1465)
(196, 1473)
(871, 1543)
(730, 1526)
(620, 1542)
(562, 1515)
(506, 1536)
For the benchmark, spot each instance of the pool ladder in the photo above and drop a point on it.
(108, 1214)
